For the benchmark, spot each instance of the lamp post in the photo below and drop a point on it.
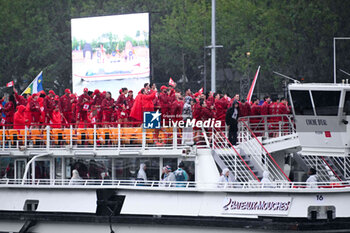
(244, 80)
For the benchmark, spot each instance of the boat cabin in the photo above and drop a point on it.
(322, 115)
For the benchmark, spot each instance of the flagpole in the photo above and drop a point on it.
(32, 82)
(251, 90)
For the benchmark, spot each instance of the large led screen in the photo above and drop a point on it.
(110, 52)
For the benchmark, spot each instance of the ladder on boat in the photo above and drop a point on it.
(228, 156)
(253, 148)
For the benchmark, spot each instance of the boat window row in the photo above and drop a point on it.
(93, 168)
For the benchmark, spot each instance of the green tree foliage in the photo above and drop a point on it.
(293, 37)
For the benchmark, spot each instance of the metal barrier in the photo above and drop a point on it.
(230, 158)
(116, 137)
(258, 153)
(270, 126)
(169, 185)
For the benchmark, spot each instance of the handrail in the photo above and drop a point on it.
(96, 138)
(331, 169)
(188, 185)
(267, 124)
(239, 156)
(262, 146)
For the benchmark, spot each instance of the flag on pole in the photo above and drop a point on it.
(251, 90)
(171, 82)
(10, 84)
(36, 85)
(200, 91)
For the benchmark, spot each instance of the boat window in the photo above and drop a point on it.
(302, 103)
(189, 168)
(172, 162)
(347, 103)
(6, 168)
(20, 165)
(128, 168)
(89, 168)
(58, 168)
(42, 169)
(326, 102)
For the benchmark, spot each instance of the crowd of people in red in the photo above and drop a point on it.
(41, 109)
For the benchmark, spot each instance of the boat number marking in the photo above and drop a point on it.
(319, 197)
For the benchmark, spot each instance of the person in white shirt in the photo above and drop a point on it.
(226, 181)
(167, 177)
(311, 182)
(266, 181)
(141, 175)
(76, 179)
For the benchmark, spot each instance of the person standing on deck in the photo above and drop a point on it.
(232, 121)
(181, 175)
(49, 106)
(83, 106)
(107, 108)
(66, 106)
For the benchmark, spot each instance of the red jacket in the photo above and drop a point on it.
(98, 98)
(164, 101)
(19, 119)
(121, 101)
(196, 111)
(264, 108)
(84, 102)
(147, 102)
(129, 103)
(255, 110)
(176, 110)
(142, 103)
(273, 108)
(65, 104)
(244, 109)
(221, 108)
(9, 110)
(56, 120)
(107, 105)
(20, 100)
(136, 110)
(283, 109)
(205, 113)
(49, 104)
(210, 101)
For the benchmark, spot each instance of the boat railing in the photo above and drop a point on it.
(230, 157)
(254, 147)
(173, 185)
(117, 136)
(270, 126)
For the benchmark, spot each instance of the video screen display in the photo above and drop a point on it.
(110, 52)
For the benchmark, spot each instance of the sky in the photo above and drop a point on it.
(91, 28)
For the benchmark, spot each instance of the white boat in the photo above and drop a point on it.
(37, 194)
(113, 71)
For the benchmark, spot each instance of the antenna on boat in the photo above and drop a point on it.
(344, 72)
(285, 76)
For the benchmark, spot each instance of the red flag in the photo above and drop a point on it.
(251, 90)
(10, 84)
(200, 91)
(171, 82)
